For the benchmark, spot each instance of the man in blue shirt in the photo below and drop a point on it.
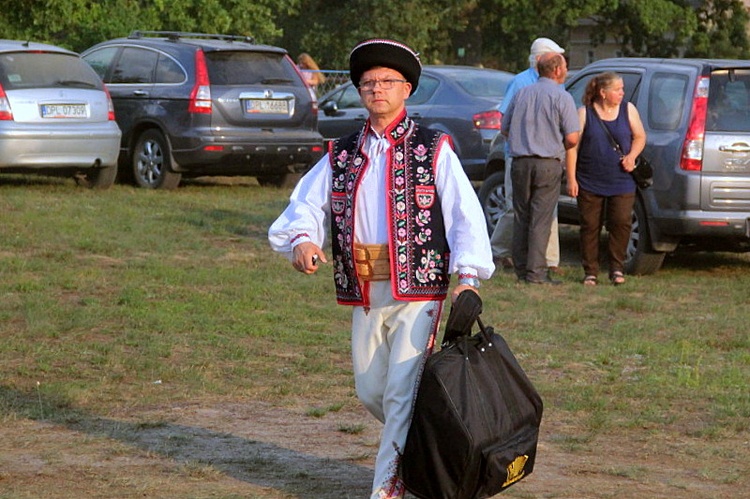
(502, 237)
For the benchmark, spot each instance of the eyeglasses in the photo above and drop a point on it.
(384, 84)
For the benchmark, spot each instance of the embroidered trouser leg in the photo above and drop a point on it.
(390, 344)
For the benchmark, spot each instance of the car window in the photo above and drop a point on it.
(728, 101)
(666, 100)
(249, 68)
(425, 90)
(631, 82)
(347, 97)
(135, 65)
(45, 70)
(101, 60)
(169, 71)
(484, 84)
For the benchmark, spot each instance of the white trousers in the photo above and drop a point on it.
(390, 344)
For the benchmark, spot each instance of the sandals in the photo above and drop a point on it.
(589, 280)
(617, 278)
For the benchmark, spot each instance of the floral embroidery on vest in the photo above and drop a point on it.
(418, 247)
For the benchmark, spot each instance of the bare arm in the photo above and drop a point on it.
(571, 140)
(639, 138)
(571, 158)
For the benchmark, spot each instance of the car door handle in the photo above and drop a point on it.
(140, 93)
(737, 147)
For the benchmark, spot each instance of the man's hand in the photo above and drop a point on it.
(458, 289)
(306, 257)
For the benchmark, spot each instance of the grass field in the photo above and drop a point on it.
(120, 307)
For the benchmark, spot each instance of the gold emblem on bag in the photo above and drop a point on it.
(515, 470)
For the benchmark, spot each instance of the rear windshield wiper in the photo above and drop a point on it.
(271, 81)
(75, 83)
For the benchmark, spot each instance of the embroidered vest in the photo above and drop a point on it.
(418, 248)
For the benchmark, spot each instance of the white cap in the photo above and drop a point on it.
(543, 46)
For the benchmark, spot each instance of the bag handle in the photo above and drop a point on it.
(464, 312)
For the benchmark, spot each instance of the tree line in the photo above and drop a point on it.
(493, 33)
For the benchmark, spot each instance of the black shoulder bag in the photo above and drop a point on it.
(476, 418)
(643, 173)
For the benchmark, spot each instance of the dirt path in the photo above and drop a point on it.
(254, 450)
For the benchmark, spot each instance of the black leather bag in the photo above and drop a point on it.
(643, 174)
(476, 418)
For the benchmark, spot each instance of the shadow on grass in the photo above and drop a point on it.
(259, 463)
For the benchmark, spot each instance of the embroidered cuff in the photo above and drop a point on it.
(299, 238)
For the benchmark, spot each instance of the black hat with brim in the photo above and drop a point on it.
(379, 52)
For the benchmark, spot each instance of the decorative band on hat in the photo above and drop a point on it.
(381, 52)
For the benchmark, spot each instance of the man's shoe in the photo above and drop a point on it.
(505, 262)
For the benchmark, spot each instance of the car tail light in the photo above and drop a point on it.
(488, 120)
(110, 106)
(692, 150)
(200, 97)
(5, 113)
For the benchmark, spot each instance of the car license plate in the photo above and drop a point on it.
(267, 106)
(64, 111)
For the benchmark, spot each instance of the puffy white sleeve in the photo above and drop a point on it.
(305, 218)
(465, 225)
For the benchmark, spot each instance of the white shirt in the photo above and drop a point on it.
(306, 218)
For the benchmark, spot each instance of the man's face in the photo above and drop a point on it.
(381, 101)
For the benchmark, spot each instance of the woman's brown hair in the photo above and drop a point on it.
(596, 84)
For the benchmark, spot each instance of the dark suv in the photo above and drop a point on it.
(191, 104)
(696, 113)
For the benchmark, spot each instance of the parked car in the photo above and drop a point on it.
(459, 100)
(55, 115)
(193, 104)
(696, 113)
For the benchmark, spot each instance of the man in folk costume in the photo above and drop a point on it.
(403, 216)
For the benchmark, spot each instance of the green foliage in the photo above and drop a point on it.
(78, 24)
(722, 30)
(649, 28)
(494, 33)
(328, 30)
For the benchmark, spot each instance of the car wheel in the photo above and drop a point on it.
(640, 258)
(97, 177)
(152, 162)
(492, 198)
(286, 180)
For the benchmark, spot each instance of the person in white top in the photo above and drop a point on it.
(403, 217)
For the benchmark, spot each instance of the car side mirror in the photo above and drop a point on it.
(330, 108)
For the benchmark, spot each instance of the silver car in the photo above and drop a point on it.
(56, 117)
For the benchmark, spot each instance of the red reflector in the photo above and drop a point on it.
(214, 148)
(716, 223)
(317, 149)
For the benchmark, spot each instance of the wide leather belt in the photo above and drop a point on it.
(372, 262)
